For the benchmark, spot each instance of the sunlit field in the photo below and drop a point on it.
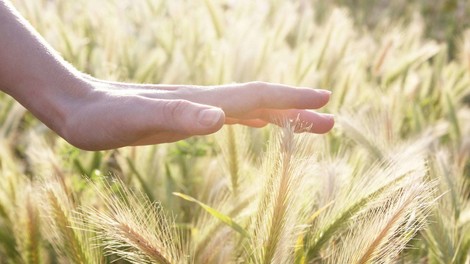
(389, 184)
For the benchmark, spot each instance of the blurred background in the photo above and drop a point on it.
(445, 20)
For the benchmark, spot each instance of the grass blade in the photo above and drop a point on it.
(222, 217)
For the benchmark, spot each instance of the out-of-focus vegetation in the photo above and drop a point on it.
(445, 20)
(388, 185)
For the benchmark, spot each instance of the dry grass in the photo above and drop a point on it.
(390, 184)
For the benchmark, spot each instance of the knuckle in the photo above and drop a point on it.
(174, 109)
(257, 92)
(258, 85)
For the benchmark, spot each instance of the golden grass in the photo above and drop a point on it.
(389, 184)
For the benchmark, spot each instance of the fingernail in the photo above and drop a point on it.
(210, 117)
(327, 92)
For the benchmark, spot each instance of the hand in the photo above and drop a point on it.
(94, 115)
(112, 114)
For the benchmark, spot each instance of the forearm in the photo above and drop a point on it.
(32, 72)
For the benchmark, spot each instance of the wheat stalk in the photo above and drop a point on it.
(134, 228)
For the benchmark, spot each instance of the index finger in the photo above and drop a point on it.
(242, 98)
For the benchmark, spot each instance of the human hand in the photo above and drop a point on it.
(113, 114)
(95, 115)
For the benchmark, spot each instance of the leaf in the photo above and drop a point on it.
(300, 256)
(318, 212)
(222, 217)
(342, 218)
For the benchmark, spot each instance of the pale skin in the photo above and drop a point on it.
(95, 114)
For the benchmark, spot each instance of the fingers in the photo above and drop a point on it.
(257, 123)
(304, 120)
(278, 96)
(242, 98)
(310, 120)
(256, 104)
(239, 99)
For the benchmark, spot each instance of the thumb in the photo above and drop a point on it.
(185, 117)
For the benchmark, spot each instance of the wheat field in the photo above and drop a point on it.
(389, 184)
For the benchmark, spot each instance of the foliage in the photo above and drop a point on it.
(390, 184)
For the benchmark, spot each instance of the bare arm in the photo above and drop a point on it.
(31, 71)
(94, 114)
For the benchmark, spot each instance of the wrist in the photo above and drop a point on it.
(52, 98)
